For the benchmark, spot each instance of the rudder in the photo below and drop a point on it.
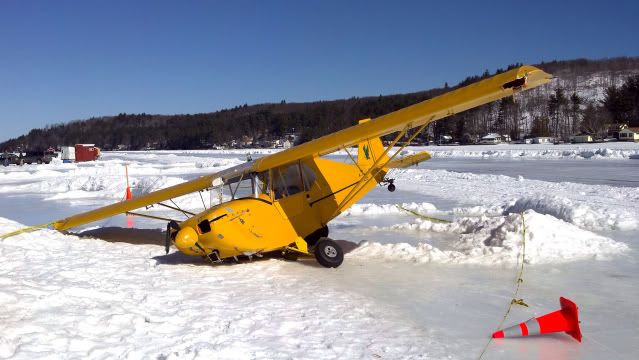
(369, 151)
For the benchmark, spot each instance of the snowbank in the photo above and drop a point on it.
(594, 207)
(498, 240)
(598, 153)
(610, 150)
(579, 214)
(380, 209)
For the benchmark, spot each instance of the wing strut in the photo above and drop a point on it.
(148, 216)
(375, 169)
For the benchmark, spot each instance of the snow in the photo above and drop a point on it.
(498, 240)
(87, 298)
(609, 150)
(410, 287)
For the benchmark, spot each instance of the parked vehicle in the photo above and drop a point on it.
(7, 159)
(37, 157)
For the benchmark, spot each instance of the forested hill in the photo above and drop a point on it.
(586, 96)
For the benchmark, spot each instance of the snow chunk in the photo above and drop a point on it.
(579, 214)
(376, 209)
(498, 240)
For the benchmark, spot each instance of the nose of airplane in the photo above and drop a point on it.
(185, 241)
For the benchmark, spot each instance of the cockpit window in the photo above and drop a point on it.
(240, 187)
(287, 180)
(262, 184)
(309, 177)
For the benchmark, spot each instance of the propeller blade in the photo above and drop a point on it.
(167, 240)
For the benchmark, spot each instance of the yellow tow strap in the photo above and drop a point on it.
(26, 230)
(520, 279)
(413, 212)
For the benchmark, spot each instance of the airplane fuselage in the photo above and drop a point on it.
(289, 206)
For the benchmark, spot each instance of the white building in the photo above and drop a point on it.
(494, 138)
(629, 134)
(581, 139)
(542, 140)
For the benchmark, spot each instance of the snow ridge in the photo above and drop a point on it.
(498, 240)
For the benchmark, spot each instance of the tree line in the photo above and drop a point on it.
(559, 110)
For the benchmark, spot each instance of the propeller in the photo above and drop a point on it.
(167, 240)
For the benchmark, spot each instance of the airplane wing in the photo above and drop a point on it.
(201, 183)
(482, 92)
(456, 101)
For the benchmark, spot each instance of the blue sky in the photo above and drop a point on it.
(64, 60)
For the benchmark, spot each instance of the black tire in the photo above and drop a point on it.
(328, 253)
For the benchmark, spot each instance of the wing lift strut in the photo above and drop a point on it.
(378, 166)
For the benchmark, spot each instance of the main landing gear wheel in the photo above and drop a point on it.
(328, 253)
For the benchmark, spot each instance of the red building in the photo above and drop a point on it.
(86, 152)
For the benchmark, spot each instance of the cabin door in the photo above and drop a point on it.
(291, 197)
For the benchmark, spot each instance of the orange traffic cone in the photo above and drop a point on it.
(128, 195)
(565, 319)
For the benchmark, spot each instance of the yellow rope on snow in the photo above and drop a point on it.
(26, 230)
(520, 273)
(422, 215)
(519, 281)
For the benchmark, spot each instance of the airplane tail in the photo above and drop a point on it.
(369, 151)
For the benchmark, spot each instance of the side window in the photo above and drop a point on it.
(287, 180)
(263, 183)
(309, 177)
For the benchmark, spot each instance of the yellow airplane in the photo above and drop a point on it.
(295, 193)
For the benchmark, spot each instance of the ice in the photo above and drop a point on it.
(413, 288)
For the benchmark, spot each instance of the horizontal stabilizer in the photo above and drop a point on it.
(409, 160)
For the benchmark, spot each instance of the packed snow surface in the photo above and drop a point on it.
(87, 298)
(428, 274)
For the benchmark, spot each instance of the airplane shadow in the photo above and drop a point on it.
(125, 235)
(156, 237)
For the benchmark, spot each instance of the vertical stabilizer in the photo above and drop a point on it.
(369, 151)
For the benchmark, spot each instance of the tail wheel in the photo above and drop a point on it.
(328, 253)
